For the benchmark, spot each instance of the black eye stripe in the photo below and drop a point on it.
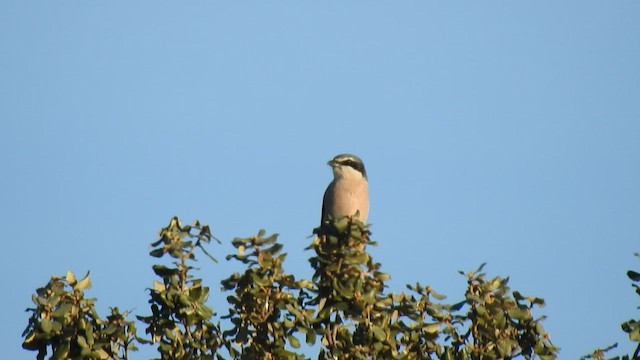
(355, 164)
(349, 162)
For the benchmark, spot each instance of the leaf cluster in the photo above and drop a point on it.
(266, 307)
(351, 318)
(180, 320)
(501, 322)
(345, 307)
(356, 319)
(68, 323)
(631, 327)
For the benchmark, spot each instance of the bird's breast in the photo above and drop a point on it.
(349, 197)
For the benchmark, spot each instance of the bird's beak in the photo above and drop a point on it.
(331, 163)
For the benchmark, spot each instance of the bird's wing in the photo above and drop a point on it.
(327, 202)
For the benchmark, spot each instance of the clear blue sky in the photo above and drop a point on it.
(499, 132)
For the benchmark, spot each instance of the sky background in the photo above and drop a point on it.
(499, 132)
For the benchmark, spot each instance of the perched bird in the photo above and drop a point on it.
(348, 193)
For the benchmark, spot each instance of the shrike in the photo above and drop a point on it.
(348, 193)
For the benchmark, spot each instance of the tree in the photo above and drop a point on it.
(68, 323)
(344, 307)
(631, 327)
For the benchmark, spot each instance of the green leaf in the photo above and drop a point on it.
(90, 338)
(195, 293)
(288, 323)
(157, 252)
(85, 283)
(378, 333)
(345, 292)
(46, 325)
(56, 326)
(295, 343)
(62, 352)
(457, 306)
(437, 296)
(30, 343)
(110, 330)
(341, 224)
(204, 312)
(261, 280)
(164, 271)
(323, 314)
(82, 341)
(432, 328)
(311, 337)
(633, 275)
(634, 335)
(62, 310)
(381, 276)
(101, 354)
(184, 300)
(274, 249)
(158, 286)
(481, 310)
(520, 314)
(504, 347)
(340, 306)
(71, 278)
(538, 301)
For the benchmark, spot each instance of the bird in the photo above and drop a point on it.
(348, 193)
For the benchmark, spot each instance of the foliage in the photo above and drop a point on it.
(631, 327)
(357, 320)
(500, 322)
(345, 307)
(68, 323)
(352, 313)
(267, 304)
(181, 321)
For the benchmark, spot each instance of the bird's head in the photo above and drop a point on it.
(347, 166)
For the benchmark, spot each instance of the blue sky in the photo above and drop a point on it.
(499, 132)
